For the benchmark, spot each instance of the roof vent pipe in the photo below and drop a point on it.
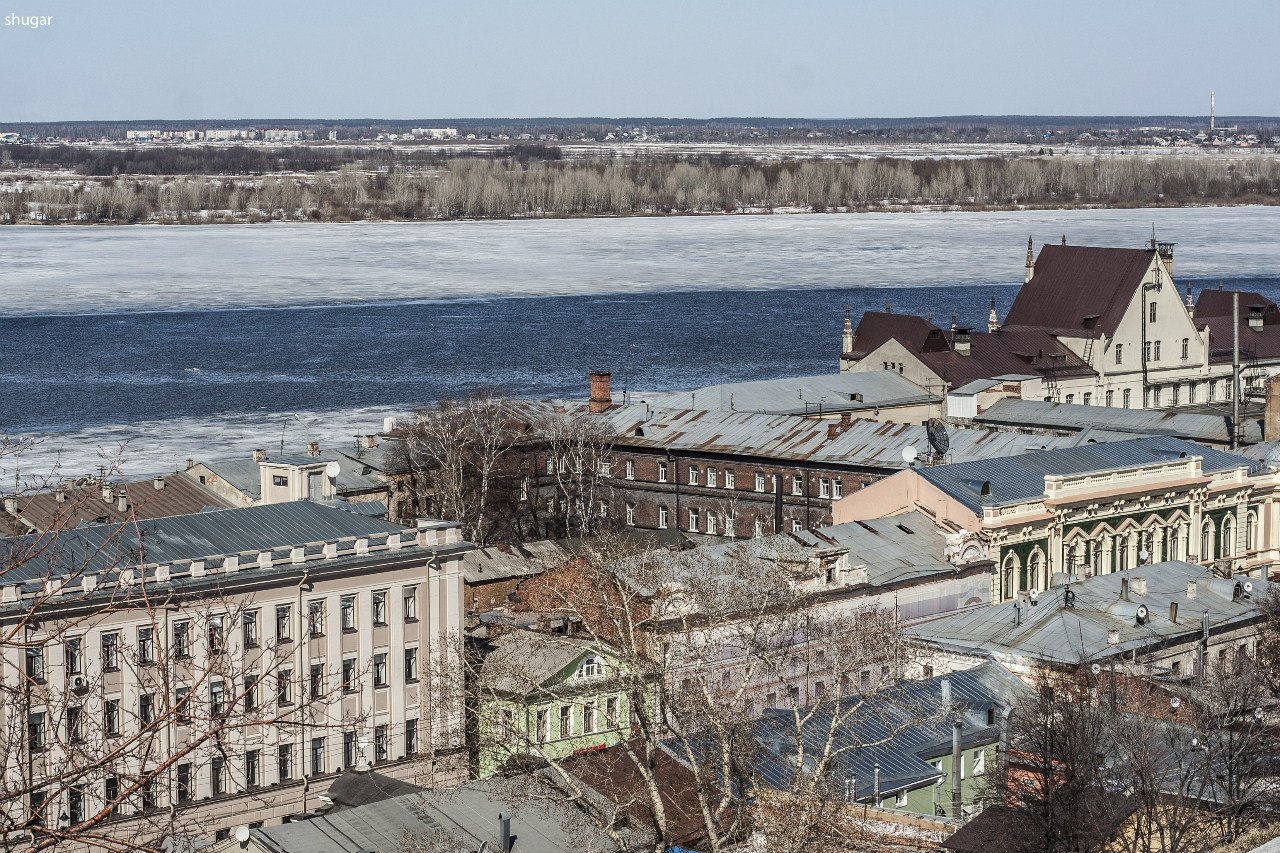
(1113, 637)
(122, 504)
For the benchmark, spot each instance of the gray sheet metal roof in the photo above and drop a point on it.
(804, 395)
(900, 729)
(355, 474)
(499, 562)
(522, 662)
(105, 547)
(467, 816)
(1052, 632)
(1013, 479)
(1190, 425)
(865, 444)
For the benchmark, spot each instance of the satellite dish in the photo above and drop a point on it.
(1248, 587)
(1034, 595)
(909, 454)
(1175, 703)
(333, 469)
(936, 430)
(1095, 669)
(1143, 555)
(1142, 613)
(242, 834)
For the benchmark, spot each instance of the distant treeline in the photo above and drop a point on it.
(514, 186)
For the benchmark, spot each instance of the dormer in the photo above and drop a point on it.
(303, 478)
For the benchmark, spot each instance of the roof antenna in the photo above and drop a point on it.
(1153, 236)
(1064, 239)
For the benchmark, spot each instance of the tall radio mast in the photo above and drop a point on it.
(1211, 115)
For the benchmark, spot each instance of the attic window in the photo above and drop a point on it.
(639, 432)
(906, 529)
(856, 397)
(985, 489)
(590, 668)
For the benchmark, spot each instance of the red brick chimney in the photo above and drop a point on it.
(601, 396)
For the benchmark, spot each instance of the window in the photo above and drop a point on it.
(693, 475)
(284, 687)
(662, 472)
(797, 484)
(284, 620)
(711, 522)
(1088, 398)
(1157, 351)
(315, 684)
(217, 639)
(380, 607)
(566, 721)
(589, 717)
(347, 612)
(75, 805)
(252, 773)
(110, 790)
(72, 656)
(284, 761)
(758, 528)
(824, 487)
(410, 737)
(35, 731)
(111, 651)
(631, 469)
(979, 765)
(711, 478)
(146, 645)
(819, 690)
(184, 783)
(147, 708)
(1126, 396)
(1119, 353)
(606, 468)
(730, 528)
(631, 515)
(182, 706)
(1111, 398)
(317, 755)
(349, 675)
(182, 639)
(611, 712)
(279, 480)
(900, 799)
(411, 604)
(1152, 317)
(604, 509)
(380, 747)
(35, 663)
(1186, 348)
(111, 717)
(796, 527)
(543, 726)
(217, 699)
(218, 776)
(249, 627)
(662, 517)
(349, 756)
(837, 488)
(380, 669)
(728, 478)
(315, 618)
(759, 482)
(1174, 394)
(590, 668)
(693, 520)
(1071, 398)
(410, 665)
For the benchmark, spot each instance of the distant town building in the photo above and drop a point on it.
(277, 135)
(435, 132)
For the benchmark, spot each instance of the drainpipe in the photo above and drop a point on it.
(957, 764)
(299, 657)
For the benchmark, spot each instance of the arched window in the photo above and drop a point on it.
(1228, 536)
(1075, 559)
(1206, 541)
(1035, 566)
(1010, 569)
(1251, 531)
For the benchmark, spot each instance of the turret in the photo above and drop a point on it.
(993, 322)
(1031, 263)
(847, 341)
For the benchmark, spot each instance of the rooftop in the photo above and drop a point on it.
(522, 662)
(500, 562)
(70, 506)
(801, 395)
(1056, 632)
(1080, 290)
(1003, 480)
(1069, 416)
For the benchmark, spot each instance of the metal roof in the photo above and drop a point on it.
(898, 729)
(1014, 479)
(1052, 632)
(355, 473)
(98, 548)
(864, 444)
(1192, 425)
(803, 395)
(499, 562)
(522, 662)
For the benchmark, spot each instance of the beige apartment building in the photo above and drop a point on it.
(194, 673)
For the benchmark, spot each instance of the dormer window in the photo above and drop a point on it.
(591, 668)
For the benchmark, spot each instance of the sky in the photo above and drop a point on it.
(138, 59)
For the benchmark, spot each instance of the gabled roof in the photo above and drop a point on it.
(523, 662)
(177, 494)
(1217, 303)
(1014, 479)
(1080, 289)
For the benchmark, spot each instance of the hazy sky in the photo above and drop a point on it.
(698, 58)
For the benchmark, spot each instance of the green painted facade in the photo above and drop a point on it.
(923, 800)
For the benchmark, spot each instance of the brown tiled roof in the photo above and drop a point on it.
(181, 495)
(1010, 350)
(1076, 289)
(1217, 303)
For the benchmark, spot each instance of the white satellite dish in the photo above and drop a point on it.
(1142, 613)
(1248, 587)
(242, 834)
(1143, 555)
(909, 454)
(1175, 703)
(1034, 595)
(333, 469)
(1095, 669)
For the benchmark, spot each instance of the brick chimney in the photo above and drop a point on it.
(313, 448)
(601, 395)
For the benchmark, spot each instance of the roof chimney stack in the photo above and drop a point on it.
(601, 395)
(313, 448)
(1255, 317)
(122, 503)
(157, 483)
(259, 455)
(962, 340)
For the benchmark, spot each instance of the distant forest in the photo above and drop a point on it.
(257, 185)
